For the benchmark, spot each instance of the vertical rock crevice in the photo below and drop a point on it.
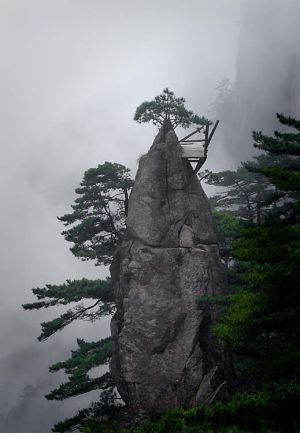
(164, 354)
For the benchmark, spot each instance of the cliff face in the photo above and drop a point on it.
(163, 353)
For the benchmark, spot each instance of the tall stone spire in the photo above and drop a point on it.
(164, 354)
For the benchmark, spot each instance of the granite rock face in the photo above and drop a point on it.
(164, 354)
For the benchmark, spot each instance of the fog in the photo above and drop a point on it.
(267, 77)
(72, 74)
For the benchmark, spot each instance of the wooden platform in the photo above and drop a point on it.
(192, 151)
(195, 149)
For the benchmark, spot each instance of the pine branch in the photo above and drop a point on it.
(79, 312)
(108, 410)
(71, 291)
(87, 356)
(80, 385)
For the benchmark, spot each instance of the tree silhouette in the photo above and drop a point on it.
(166, 107)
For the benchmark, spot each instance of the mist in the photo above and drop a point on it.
(267, 78)
(72, 74)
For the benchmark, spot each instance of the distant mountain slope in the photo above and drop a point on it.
(267, 78)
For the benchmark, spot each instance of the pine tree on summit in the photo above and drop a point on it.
(166, 107)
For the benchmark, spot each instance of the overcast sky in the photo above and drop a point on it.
(72, 73)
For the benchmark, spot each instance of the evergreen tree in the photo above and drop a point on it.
(248, 195)
(166, 107)
(97, 222)
(228, 228)
(88, 355)
(263, 321)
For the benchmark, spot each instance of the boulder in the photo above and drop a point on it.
(164, 353)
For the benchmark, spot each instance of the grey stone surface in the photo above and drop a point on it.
(164, 354)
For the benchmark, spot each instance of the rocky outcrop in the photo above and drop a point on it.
(164, 354)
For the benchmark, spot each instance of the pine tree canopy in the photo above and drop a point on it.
(246, 194)
(97, 222)
(282, 143)
(285, 175)
(166, 107)
(263, 322)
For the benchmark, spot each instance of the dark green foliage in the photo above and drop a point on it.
(88, 356)
(247, 195)
(78, 385)
(282, 143)
(97, 226)
(228, 228)
(263, 322)
(98, 218)
(73, 291)
(283, 178)
(272, 410)
(166, 107)
(100, 417)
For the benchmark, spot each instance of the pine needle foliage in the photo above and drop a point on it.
(97, 222)
(86, 357)
(264, 319)
(272, 410)
(100, 417)
(73, 291)
(96, 226)
(167, 107)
